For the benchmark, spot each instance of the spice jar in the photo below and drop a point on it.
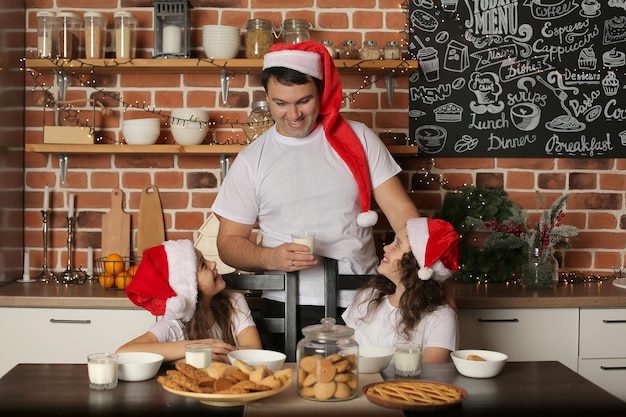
(295, 31)
(327, 362)
(349, 51)
(328, 44)
(392, 50)
(125, 38)
(69, 25)
(259, 121)
(370, 50)
(95, 40)
(259, 33)
(46, 34)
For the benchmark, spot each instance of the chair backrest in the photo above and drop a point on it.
(333, 282)
(287, 282)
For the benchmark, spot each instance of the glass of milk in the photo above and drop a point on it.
(198, 354)
(305, 238)
(408, 359)
(102, 370)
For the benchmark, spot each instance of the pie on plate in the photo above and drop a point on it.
(414, 395)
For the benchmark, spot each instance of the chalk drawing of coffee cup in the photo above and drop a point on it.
(428, 61)
(622, 136)
(590, 8)
(525, 116)
(431, 138)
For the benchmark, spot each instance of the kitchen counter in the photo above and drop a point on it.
(501, 295)
(497, 295)
(51, 295)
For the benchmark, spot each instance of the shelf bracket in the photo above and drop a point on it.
(225, 80)
(390, 87)
(224, 161)
(63, 158)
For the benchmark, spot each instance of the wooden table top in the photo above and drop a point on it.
(522, 388)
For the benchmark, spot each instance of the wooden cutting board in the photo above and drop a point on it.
(116, 227)
(151, 229)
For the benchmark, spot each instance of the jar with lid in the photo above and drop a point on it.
(46, 34)
(328, 356)
(370, 50)
(69, 25)
(295, 31)
(259, 121)
(349, 50)
(259, 37)
(125, 37)
(328, 44)
(95, 37)
(392, 50)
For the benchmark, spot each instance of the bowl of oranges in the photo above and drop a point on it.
(115, 271)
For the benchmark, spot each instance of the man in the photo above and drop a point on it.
(312, 171)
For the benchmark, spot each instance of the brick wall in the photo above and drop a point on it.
(188, 184)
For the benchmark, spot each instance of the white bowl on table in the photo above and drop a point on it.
(489, 367)
(138, 366)
(373, 359)
(254, 357)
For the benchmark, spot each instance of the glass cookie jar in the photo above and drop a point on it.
(327, 362)
(259, 121)
(349, 50)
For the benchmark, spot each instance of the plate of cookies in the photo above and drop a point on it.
(414, 395)
(226, 385)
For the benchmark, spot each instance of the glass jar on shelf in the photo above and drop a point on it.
(392, 50)
(259, 37)
(349, 50)
(295, 31)
(328, 44)
(259, 120)
(47, 35)
(370, 50)
(70, 25)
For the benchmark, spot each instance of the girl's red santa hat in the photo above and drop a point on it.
(435, 245)
(165, 283)
(312, 58)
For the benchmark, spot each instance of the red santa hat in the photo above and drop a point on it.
(435, 245)
(165, 283)
(312, 58)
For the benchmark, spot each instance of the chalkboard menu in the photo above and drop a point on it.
(518, 78)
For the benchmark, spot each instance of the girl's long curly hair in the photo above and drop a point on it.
(217, 310)
(419, 297)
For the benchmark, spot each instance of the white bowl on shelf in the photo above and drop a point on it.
(141, 131)
(189, 133)
(221, 50)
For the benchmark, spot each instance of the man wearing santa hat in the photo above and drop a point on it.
(312, 171)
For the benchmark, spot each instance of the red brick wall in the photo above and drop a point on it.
(188, 184)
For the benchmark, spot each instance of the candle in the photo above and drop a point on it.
(26, 274)
(70, 212)
(171, 39)
(46, 199)
(89, 261)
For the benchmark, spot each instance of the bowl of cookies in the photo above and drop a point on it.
(476, 363)
(255, 357)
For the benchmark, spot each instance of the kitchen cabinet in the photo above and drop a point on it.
(60, 335)
(532, 334)
(603, 348)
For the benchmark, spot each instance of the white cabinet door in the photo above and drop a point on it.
(602, 333)
(609, 374)
(533, 334)
(54, 335)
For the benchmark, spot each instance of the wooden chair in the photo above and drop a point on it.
(287, 282)
(333, 282)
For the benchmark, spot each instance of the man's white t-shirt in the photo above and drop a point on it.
(301, 184)
(436, 329)
(168, 330)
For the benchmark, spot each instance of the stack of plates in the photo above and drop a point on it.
(221, 42)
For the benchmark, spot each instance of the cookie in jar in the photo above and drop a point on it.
(327, 363)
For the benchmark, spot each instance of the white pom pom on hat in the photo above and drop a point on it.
(435, 245)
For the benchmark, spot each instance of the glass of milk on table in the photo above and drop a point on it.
(198, 354)
(102, 370)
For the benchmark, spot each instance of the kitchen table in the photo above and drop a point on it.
(522, 388)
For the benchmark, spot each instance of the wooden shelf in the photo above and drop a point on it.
(165, 149)
(202, 65)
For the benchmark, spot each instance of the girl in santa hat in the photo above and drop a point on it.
(174, 280)
(407, 301)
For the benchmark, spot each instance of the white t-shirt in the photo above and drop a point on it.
(301, 184)
(436, 329)
(168, 330)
